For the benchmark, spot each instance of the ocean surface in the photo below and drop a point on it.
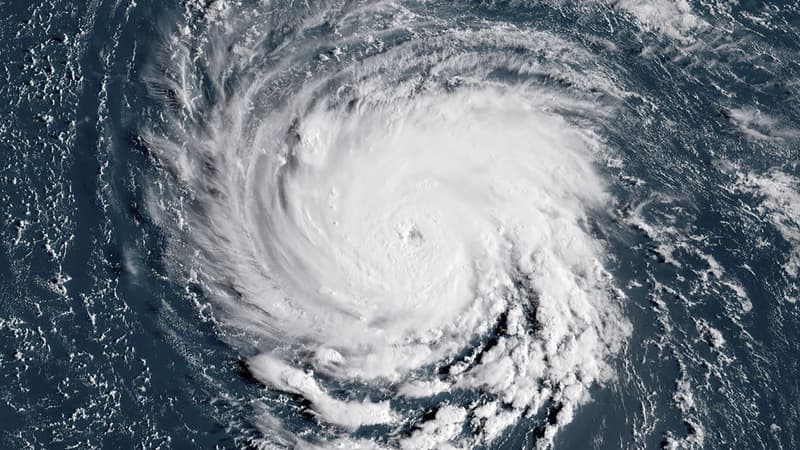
(399, 224)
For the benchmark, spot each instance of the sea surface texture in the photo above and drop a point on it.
(397, 224)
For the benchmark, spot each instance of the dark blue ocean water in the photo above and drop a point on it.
(103, 345)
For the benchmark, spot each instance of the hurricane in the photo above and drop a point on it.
(418, 236)
(401, 224)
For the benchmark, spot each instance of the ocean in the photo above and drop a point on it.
(400, 224)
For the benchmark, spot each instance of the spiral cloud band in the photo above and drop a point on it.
(393, 229)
